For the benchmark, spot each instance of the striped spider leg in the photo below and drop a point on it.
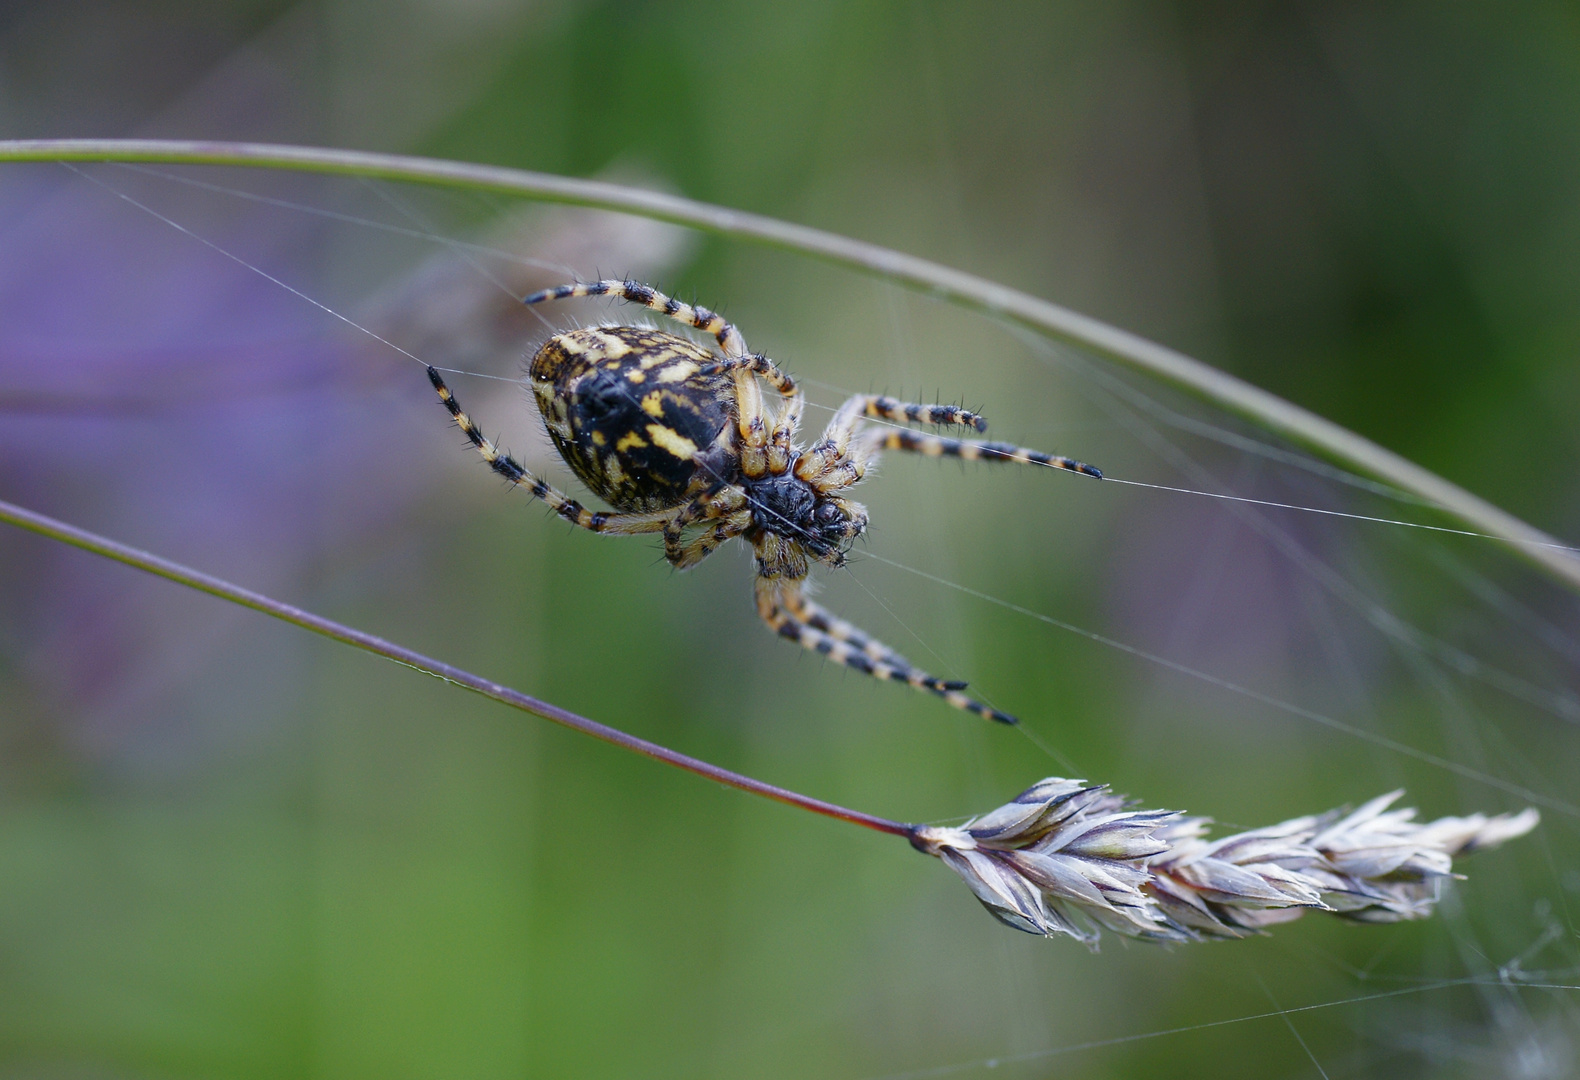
(618, 524)
(840, 460)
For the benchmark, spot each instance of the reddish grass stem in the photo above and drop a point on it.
(195, 579)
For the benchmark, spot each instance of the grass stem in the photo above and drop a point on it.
(206, 583)
(1268, 411)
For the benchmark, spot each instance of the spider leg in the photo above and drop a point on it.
(566, 507)
(970, 450)
(752, 423)
(831, 465)
(781, 452)
(758, 364)
(718, 502)
(783, 606)
(761, 450)
(883, 407)
(710, 541)
(701, 318)
(820, 618)
(749, 401)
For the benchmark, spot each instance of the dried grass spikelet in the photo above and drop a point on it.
(1068, 858)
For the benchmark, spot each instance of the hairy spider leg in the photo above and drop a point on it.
(752, 424)
(617, 524)
(883, 407)
(763, 450)
(698, 317)
(831, 465)
(831, 473)
(730, 526)
(781, 440)
(775, 442)
(783, 606)
(820, 618)
(758, 364)
(970, 450)
(719, 501)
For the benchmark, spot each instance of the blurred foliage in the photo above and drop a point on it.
(230, 851)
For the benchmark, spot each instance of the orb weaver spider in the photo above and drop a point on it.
(679, 439)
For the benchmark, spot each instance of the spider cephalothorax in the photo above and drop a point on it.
(823, 524)
(678, 440)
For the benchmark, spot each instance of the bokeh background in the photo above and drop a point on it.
(231, 850)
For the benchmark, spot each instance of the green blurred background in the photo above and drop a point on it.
(229, 850)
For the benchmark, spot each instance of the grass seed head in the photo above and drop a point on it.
(1065, 857)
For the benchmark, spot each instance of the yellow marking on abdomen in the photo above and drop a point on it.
(672, 441)
(656, 355)
(612, 347)
(678, 372)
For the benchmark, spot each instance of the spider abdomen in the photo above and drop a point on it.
(634, 415)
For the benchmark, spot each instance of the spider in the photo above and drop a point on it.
(679, 439)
